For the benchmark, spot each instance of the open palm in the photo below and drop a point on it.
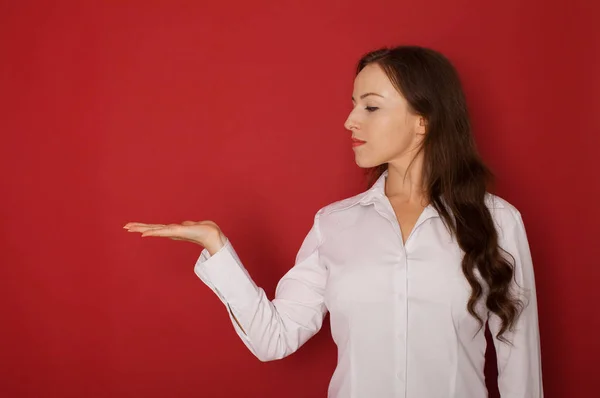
(203, 233)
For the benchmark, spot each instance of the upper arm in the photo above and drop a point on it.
(519, 363)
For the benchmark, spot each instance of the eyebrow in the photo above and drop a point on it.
(367, 94)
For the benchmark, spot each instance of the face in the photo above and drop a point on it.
(382, 119)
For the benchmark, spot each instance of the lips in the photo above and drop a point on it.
(357, 142)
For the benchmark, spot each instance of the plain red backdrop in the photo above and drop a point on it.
(233, 111)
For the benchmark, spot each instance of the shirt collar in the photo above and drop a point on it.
(377, 193)
(377, 190)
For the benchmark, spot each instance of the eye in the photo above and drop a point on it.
(371, 108)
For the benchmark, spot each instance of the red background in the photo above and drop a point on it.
(233, 111)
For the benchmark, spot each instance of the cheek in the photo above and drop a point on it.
(382, 141)
(389, 140)
(386, 132)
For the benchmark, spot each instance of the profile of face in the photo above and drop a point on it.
(382, 119)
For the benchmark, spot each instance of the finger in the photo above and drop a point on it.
(140, 224)
(134, 224)
(166, 231)
(141, 230)
(188, 223)
(172, 231)
(144, 227)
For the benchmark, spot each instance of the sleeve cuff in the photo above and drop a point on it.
(224, 273)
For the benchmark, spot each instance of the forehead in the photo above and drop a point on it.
(373, 79)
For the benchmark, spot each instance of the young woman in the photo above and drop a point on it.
(411, 269)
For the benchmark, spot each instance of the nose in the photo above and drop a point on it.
(350, 124)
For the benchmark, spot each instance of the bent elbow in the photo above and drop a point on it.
(272, 352)
(269, 356)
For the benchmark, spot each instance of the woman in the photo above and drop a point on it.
(411, 269)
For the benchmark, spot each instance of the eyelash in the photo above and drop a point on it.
(371, 108)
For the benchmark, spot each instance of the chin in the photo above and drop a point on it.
(365, 163)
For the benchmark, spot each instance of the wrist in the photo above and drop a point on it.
(215, 243)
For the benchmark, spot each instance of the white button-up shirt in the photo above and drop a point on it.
(398, 311)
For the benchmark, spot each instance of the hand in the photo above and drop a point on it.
(203, 233)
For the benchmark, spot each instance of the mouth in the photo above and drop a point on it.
(356, 142)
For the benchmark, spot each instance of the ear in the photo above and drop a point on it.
(421, 125)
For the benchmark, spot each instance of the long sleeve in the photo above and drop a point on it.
(273, 329)
(519, 365)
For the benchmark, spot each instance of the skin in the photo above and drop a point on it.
(382, 117)
(393, 134)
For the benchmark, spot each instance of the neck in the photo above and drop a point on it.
(405, 184)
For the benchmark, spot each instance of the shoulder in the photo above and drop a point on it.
(341, 214)
(499, 204)
(343, 204)
(505, 214)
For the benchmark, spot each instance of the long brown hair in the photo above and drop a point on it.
(455, 177)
